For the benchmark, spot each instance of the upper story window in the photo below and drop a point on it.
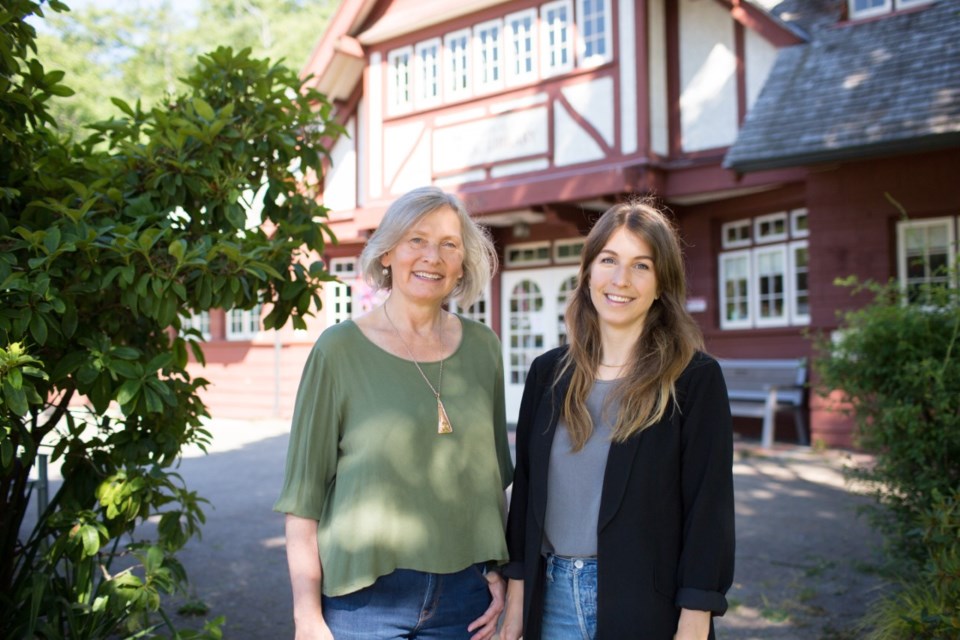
(199, 322)
(489, 55)
(521, 46)
(399, 80)
(456, 47)
(428, 72)
(243, 324)
(556, 38)
(868, 8)
(764, 278)
(926, 254)
(593, 20)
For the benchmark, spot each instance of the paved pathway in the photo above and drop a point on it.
(804, 558)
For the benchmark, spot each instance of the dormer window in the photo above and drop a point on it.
(869, 8)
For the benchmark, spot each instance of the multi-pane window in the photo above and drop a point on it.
(399, 80)
(556, 37)
(199, 322)
(764, 271)
(489, 54)
(926, 253)
(521, 46)
(867, 8)
(527, 254)
(243, 324)
(479, 310)
(456, 47)
(567, 250)
(427, 83)
(593, 22)
(339, 295)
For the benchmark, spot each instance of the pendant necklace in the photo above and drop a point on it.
(443, 422)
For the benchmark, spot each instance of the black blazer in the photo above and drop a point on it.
(665, 534)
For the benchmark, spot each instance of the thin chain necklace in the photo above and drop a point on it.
(443, 422)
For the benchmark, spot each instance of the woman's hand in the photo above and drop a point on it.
(513, 616)
(693, 625)
(315, 629)
(486, 625)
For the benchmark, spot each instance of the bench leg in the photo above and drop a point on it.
(800, 420)
(769, 419)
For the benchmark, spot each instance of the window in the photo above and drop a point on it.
(339, 295)
(764, 281)
(521, 46)
(868, 8)
(457, 54)
(243, 324)
(566, 251)
(427, 83)
(399, 76)
(479, 310)
(489, 55)
(198, 321)
(926, 253)
(593, 21)
(527, 254)
(556, 38)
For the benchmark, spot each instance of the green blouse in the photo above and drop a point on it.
(365, 459)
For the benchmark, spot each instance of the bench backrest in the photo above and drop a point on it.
(752, 379)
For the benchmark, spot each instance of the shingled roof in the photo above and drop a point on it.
(858, 89)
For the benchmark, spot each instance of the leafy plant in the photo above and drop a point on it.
(204, 201)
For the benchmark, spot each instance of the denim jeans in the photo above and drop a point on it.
(570, 602)
(410, 604)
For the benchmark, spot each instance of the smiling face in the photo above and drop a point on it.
(623, 281)
(428, 260)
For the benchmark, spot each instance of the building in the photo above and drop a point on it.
(795, 141)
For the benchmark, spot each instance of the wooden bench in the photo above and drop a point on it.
(760, 388)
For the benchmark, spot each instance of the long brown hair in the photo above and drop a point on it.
(668, 342)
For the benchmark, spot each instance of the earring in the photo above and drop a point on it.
(385, 271)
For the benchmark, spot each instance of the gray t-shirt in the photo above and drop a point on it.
(575, 480)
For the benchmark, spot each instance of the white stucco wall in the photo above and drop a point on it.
(760, 56)
(708, 65)
(659, 130)
(340, 181)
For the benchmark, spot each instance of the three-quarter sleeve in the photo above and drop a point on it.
(705, 570)
(312, 453)
(500, 425)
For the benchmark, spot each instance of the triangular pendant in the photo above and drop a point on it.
(443, 424)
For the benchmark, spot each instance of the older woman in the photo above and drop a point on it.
(621, 517)
(398, 456)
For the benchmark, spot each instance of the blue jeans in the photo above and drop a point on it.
(570, 602)
(410, 604)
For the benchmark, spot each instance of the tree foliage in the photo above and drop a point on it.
(106, 245)
(138, 49)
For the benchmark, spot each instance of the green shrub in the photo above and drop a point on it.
(898, 363)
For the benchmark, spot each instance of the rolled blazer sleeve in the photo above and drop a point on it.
(705, 570)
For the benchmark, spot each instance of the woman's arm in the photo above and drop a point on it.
(513, 614)
(306, 574)
(693, 625)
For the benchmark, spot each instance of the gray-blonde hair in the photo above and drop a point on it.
(479, 255)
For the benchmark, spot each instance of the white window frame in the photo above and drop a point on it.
(950, 222)
(606, 37)
(249, 321)
(572, 242)
(199, 321)
(886, 6)
(456, 65)
(485, 316)
(514, 40)
(765, 238)
(488, 55)
(793, 298)
(523, 246)
(795, 230)
(427, 87)
(400, 81)
(740, 323)
(550, 66)
(783, 319)
(736, 224)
